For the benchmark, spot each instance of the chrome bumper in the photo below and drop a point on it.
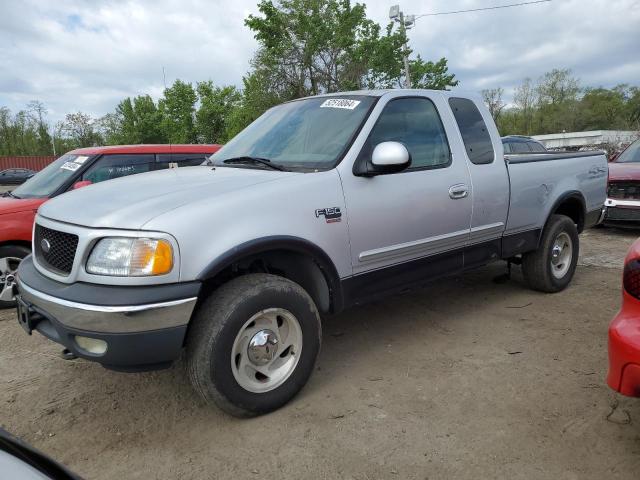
(110, 319)
(613, 202)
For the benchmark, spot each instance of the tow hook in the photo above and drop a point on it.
(66, 354)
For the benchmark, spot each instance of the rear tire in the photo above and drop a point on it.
(550, 268)
(253, 343)
(10, 258)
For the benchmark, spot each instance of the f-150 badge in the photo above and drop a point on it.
(331, 214)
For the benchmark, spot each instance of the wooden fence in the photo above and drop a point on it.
(32, 163)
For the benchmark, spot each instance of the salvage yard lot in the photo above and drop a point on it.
(466, 379)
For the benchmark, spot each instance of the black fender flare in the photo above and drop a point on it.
(280, 242)
(570, 195)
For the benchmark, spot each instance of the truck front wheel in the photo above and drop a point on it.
(550, 268)
(253, 344)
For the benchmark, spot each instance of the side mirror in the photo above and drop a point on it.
(387, 157)
(82, 183)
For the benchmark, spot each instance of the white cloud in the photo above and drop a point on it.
(79, 55)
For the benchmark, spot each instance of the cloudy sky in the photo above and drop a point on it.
(86, 55)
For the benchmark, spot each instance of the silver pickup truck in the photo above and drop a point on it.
(321, 203)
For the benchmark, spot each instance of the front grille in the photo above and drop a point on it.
(628, 214)
(624, 190)
(61, 249)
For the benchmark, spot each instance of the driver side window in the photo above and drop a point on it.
(415, 123)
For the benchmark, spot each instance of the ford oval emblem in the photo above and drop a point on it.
(46, 246)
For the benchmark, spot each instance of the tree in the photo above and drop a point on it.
(632, 108)
(81, 129)
(309, 47)
(214, 112)
(524, 98)
(557, 86)
(431, 75)
(603, 108)
(493, 99)
(177, 111)
(38, 113)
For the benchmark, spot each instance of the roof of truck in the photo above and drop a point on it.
(381, 92)
(160, 148)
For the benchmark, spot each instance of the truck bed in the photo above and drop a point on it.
(536, 181)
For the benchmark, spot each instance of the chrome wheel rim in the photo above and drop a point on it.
(561, 255)
(266, 350)
(8, 268)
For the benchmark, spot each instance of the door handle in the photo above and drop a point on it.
(458, 191)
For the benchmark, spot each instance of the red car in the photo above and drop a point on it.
(623, 194)
(75, 169)
(624, 331)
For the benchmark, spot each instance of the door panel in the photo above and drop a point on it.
(406, 216)
(489, 177)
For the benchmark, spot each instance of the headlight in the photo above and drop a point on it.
(131, 257)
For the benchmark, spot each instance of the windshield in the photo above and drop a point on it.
(306, 135)
(631, 154)
(48, 180)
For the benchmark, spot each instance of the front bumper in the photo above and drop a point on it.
(624, 348)
(143, 327)
(622, 212)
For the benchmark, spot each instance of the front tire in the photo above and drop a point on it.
(10, 258)
(551, 267)
(253, 344)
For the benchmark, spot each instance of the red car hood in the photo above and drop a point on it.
(624, 171)
(15, 205)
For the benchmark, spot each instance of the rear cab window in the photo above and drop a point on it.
(168, 160)
(536, 147)
(520, 147)
(475, 136)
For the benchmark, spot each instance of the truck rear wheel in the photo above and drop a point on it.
(253, 344)
(550, 268)
(10, 258)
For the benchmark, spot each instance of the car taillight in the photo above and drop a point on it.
(631, 278)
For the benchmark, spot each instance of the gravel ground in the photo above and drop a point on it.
(466, 379)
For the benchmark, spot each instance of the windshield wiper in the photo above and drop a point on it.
(257, 160)
(9, 194)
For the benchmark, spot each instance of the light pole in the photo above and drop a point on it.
(406, 23)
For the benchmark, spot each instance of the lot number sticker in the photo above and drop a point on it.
(340, 103)
(81, 159)
(70, 166)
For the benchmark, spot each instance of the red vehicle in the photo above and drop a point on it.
(623, 193)
(624, 331)
(75, 169)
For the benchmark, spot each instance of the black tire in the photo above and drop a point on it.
(10, 251)
(536, 265)
(218, 321)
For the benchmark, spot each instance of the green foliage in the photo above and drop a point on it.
(434, 76)
(309, 47)
(557, 102)
(214, 112)
(177, 110)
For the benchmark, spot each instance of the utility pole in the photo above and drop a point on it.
(406, 23)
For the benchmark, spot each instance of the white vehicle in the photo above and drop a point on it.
(321, 203)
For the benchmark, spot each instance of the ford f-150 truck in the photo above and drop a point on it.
(321, 203)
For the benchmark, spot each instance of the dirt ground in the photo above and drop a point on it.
(466, 379)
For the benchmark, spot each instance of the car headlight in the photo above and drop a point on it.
(131, 257)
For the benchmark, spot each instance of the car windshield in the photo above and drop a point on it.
(631, 154)
(304, 135)
(48, 180)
